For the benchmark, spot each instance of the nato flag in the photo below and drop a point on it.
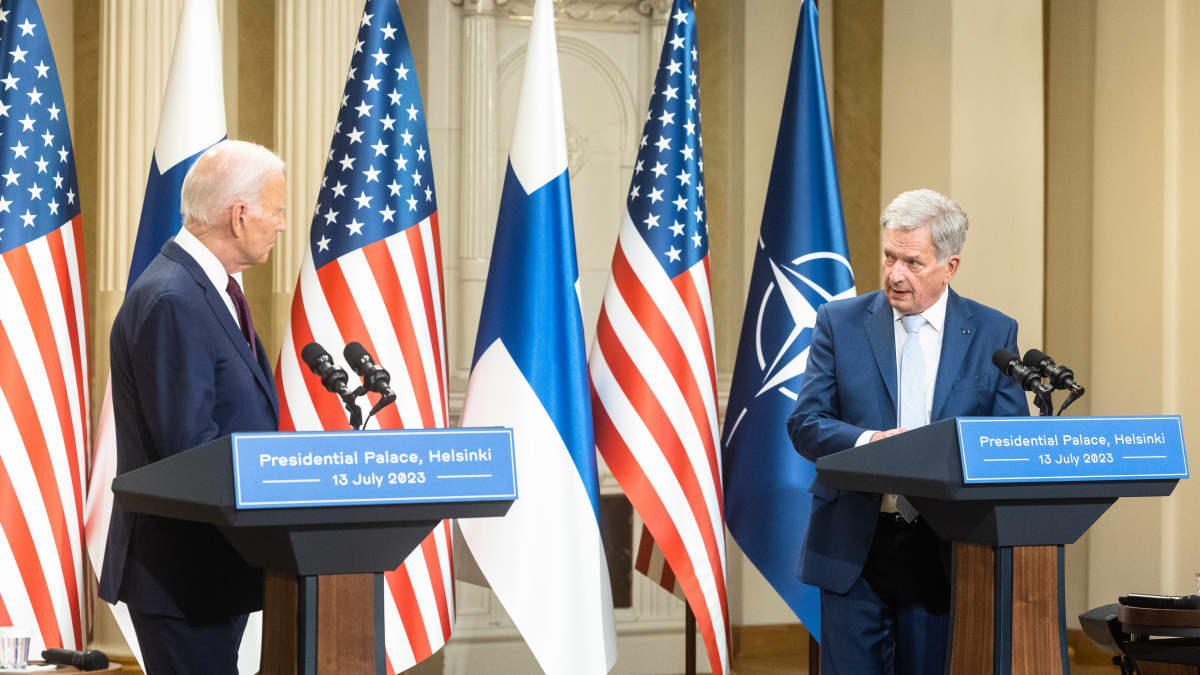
(801, 263)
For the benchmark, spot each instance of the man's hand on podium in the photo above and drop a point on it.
(880, 435)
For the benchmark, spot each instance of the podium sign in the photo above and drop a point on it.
(1071, 449)
(332, 468)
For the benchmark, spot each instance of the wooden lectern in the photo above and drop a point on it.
(323, 610)
(1007, 581)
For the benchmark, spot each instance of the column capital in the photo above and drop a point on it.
(480, 6)
(655, 9)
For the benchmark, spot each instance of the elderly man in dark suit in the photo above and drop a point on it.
(880, 364)
(188, 367)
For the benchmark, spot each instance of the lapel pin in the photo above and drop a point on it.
(966, 331)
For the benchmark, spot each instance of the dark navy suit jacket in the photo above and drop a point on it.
(182, 375)
(849, 387)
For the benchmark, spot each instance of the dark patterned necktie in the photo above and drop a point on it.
(243, 312)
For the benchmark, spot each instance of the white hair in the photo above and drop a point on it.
(228, 173)
(925, 208)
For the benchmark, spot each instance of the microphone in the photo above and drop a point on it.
(1010, 364)
(93, 660)
(1061, 377)
(374, 377)
(321, 363)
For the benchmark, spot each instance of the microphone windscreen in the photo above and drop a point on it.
(1002, 357)
(354, 353)
(312, 353)
(94, 660)
(1035, 358)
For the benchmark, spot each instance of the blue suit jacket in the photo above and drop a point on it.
(850, 386)
(182, 375)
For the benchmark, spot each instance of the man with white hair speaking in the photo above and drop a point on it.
(880, 364)
(188, 367)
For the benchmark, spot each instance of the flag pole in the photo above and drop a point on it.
(814, 655)
(689, 636)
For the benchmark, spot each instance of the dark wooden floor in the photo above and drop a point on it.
(783, 650)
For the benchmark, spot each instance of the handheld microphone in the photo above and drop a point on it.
(1010, 364)
(1061, 377)
(93, 660)
(321, 363)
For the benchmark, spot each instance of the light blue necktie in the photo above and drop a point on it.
(912, 374)
(912, 391)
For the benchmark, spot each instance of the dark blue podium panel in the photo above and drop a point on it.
(1071, 449)
(339, 468)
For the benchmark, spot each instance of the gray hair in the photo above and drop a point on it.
(228, 173)
(925, 208)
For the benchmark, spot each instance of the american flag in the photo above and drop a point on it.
(372, 273)
(43, 346)
(651, 562)
(652, 365)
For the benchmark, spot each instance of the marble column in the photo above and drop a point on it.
(136, 42)
(478, 189)
(313, 45)
(654, 31)
(135, 53)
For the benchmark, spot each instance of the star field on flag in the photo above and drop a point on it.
(378, 176)
(38, 189)
(666, 196)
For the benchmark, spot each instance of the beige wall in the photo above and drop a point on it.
(1143, 311)
(1183, 241)
(962, 114)
(1070, 104)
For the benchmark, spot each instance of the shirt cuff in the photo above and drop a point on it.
(864, 437)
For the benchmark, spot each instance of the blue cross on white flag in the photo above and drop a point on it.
(544, 559)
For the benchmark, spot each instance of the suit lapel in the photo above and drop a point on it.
(882, 336)
(957, 333)
(224, 318)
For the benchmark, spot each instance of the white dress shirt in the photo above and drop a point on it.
(213, 269)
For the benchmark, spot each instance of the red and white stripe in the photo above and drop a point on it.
(651, 562)
(389, 297)
(654, 400)
(44, 434)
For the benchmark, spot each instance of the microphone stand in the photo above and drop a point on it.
(356, 418)
(1044, 403)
